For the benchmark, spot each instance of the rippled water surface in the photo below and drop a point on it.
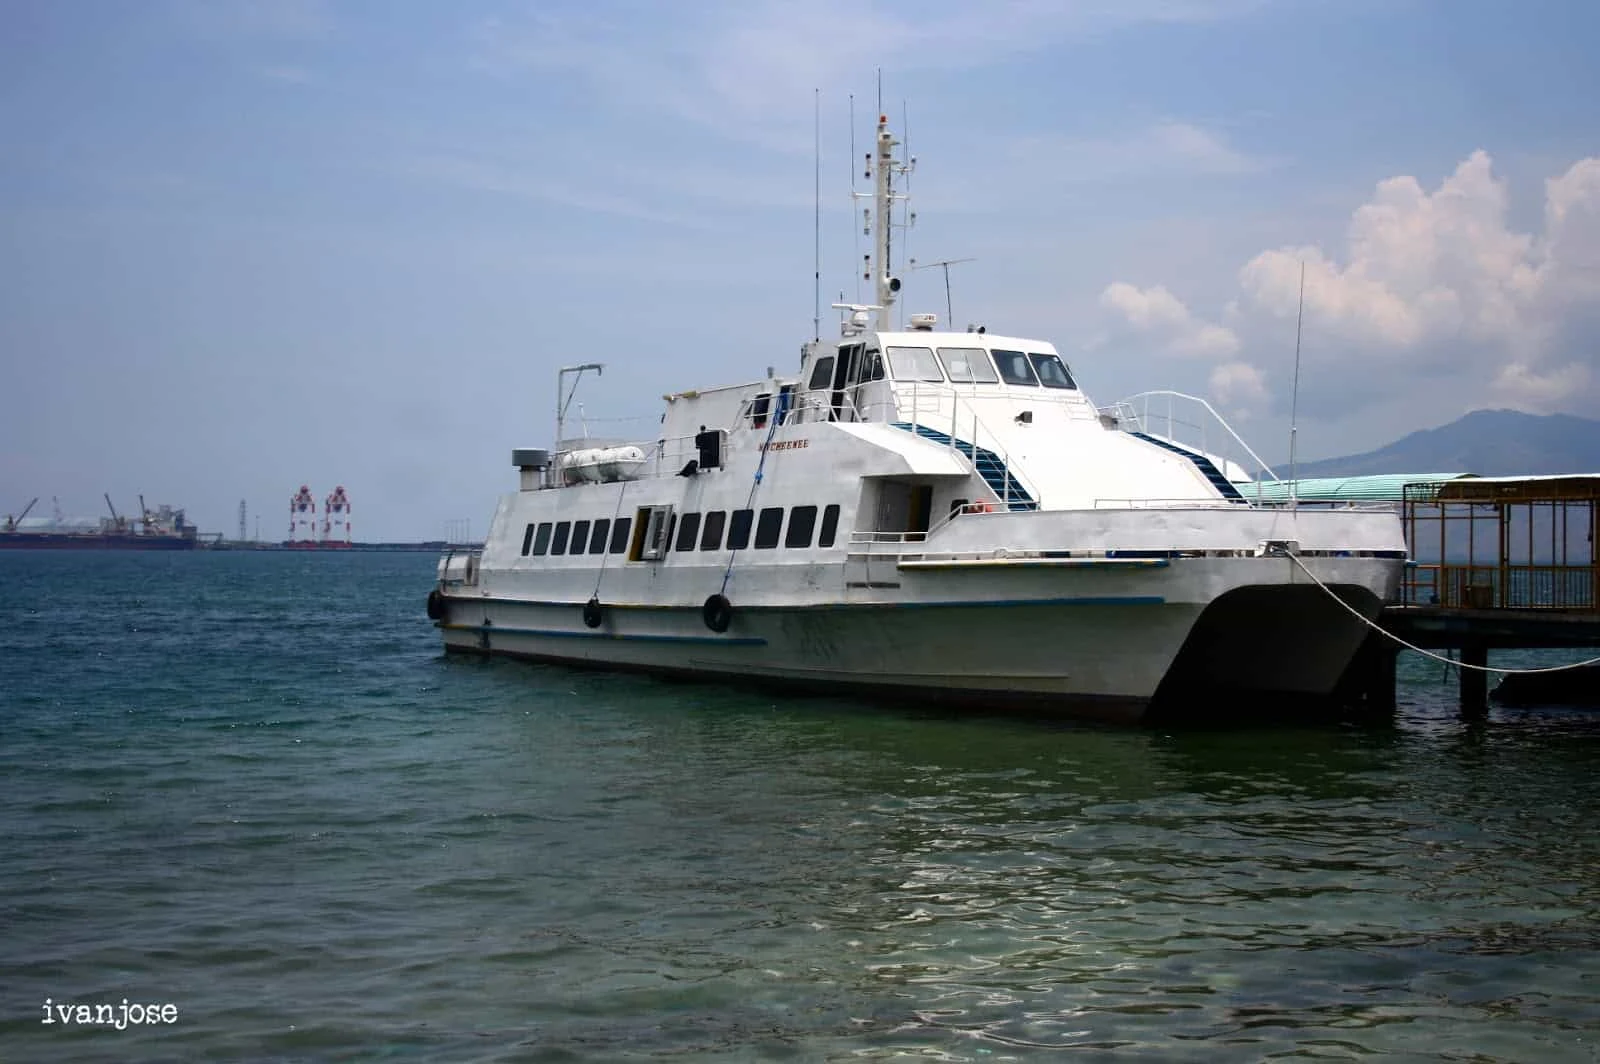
(250, 785)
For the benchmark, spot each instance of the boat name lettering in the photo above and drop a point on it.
(785, 445)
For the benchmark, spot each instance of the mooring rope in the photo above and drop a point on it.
(779, 413)
(1426, 653)
(605, 548)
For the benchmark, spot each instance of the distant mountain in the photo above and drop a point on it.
(1490, 443)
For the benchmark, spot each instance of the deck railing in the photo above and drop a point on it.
(1486, 587)
(1191, 422)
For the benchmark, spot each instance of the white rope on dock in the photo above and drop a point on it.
(1428, 653)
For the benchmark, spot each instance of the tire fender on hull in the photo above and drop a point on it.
(717, 613)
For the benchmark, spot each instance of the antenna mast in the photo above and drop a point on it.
(950, 314)
(816, 255)
(1294, 400)
(882, 171)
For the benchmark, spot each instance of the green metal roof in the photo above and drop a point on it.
(1383, 487)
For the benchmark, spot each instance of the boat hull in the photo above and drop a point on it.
(1103, 656)
(92, 541)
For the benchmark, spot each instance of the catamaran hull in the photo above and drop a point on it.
(1106, 657)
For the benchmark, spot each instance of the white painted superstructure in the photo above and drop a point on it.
(917, 512)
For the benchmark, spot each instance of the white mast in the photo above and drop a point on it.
(884, 167)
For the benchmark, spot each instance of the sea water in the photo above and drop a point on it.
(246, 798)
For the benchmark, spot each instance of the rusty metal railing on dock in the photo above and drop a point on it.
(1489, 587)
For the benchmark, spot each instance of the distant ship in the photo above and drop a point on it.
(162, 528)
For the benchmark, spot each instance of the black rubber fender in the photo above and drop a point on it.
(717, 613)
(592, 613)
(436, 605)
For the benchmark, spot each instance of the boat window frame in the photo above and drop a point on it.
(740, 524)
(619, 534)
(559, 538)
(828, 535)
(711, 529)
(823, 368)
(970, 378)
(652, 533)
(688, 529)
(768, 535)
(600, 535)
(527, 537)
(580, 537)
(801, 528)
(933, 363)
(1032, 379)
(541, 539)
(1048, 358)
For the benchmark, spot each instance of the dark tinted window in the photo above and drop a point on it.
(711, 535)
(830, 526)
(541, 538)
(768, 527)
(1015, 368)
(597, 538)
(558, 542)
(619, 535)
(802, 521)
(1052, 372)
(527, 541)
(739, 529)
(758, 410)
(822, 373)
(580, 537)
(688, 531)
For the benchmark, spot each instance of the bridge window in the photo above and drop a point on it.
(830, 526)
(1015, 368)
(968, 365)
(558, 543)
(527, 540)
(802, 522)
(1052, 373)
(541, 538)
(580, 536)
(768, 527)
(914, 364)
(874, 367)
(601, 533)
(822, 373)
(711, 534)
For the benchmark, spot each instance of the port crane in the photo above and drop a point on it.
(13, 522)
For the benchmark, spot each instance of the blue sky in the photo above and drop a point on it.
(250, 245)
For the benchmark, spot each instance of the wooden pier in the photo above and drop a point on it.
(1515, 569)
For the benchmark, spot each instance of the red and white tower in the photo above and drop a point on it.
(336, 519)
(303, 519)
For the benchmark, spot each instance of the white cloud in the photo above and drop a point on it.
(1430, 283)
(1158, 315)
(1238, 384)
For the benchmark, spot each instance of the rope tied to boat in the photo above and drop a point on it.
(1376, 627)
(605, 548)
(779, 412)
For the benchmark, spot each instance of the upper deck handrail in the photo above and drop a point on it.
(1125, 411)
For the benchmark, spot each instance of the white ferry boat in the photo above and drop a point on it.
(919, 512)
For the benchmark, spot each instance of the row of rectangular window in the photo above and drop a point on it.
(548, 538)
(692, 530)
